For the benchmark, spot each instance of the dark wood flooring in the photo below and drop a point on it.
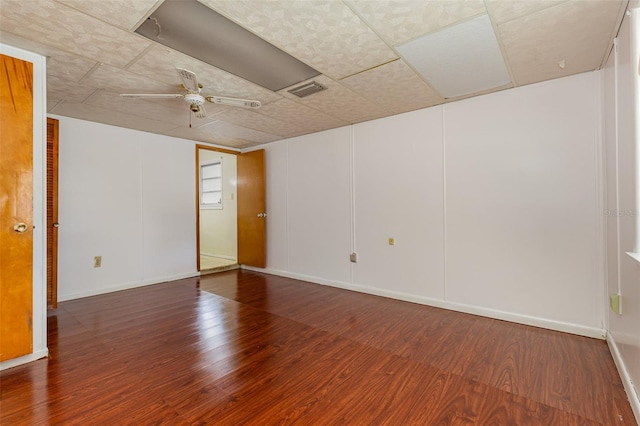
(243, 348)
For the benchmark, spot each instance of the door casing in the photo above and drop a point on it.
(251, 187)
(16, 208)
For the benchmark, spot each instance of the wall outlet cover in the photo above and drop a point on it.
(615, 301)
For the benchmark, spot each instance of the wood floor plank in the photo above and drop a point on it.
(243, 347)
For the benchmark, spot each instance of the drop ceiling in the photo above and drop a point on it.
(94, 55)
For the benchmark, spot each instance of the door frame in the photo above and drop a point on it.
(208, 148)
(39, 205)
(52, 228)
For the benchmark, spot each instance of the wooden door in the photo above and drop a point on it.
(251, 210)
(52, 213)
(16, 207)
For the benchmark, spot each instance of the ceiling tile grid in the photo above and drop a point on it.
(398, 21)
(121, 13)
(60, 88)
(167, 110)
(59, 62)
(576, 31)
(93, 55)
(57, 25)
(122, 81)
(229, 130)
(324, 34)
(395, 87)
(294, 112)
(84, 111)
(506, 10)
(195, 135)
(339, 102)
(263, 123)
(160, 64)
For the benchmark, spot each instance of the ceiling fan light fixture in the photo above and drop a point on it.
(194, 29)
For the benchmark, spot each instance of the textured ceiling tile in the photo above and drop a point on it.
(577, 32)
(263, 123)
(58, 25)
(506, 10)
(59, 88)
(52, 102)
(395, 86)
(229, 130)
(324, 34)
(68, 66)
(174, 111)
(297, 113)
(398, 21)
(107, 116)
(118, 80)
(59, 63)
(197, 135)
(121, 13)
(160, 64)
(339, 102)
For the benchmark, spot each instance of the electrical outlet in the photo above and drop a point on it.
(392, 241)
(615, 300)
(97, 261)
(353, 257)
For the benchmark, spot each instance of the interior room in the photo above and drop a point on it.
(320, 212)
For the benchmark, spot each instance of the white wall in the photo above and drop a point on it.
(219, 227)
(39, 306)
(621, 208)
(522, 209)
(129, 197)
(493, 202)
(318, 210)
(398, 172)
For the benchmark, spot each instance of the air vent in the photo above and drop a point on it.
(307, 89)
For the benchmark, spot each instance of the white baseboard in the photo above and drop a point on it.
(24, 359)
(632, 392)
(124, 286)
(565, 327)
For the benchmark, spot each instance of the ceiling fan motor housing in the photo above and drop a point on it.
(195, 100)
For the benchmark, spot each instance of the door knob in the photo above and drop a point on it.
(56, 225)
(20, 227)
(262, 215)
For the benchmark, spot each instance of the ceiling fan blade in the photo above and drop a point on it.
(244, 103)
(151, 95)
(201, 112)
(189, 80)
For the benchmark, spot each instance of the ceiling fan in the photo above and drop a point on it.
(193, 97)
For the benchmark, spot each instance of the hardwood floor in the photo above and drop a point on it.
(240, 347)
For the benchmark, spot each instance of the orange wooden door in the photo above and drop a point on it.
(52, 213)
(16, 207)
(252, 239)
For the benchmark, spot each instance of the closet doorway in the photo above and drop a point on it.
(217, 209)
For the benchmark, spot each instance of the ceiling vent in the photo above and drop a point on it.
(307, 89)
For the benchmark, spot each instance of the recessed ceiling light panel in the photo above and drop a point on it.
(459, 60)
(196, 30)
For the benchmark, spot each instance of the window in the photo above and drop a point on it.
(211, 184)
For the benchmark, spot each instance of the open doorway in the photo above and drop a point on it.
(217, 210)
